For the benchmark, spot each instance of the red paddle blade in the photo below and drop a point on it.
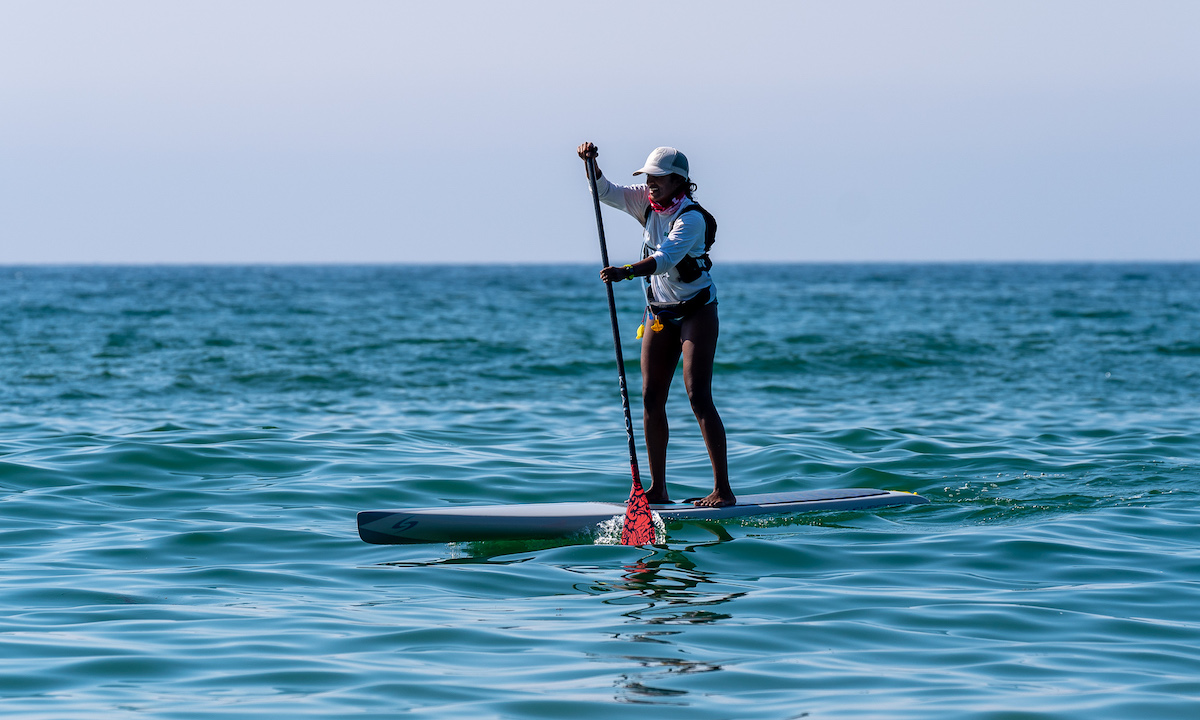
(639, 522)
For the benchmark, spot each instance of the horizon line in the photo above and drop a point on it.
(445, 263)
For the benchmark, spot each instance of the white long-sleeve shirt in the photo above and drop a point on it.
(665, 240)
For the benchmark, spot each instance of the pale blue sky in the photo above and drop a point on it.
(292, 131)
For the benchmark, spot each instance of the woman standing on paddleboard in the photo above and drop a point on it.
(682, 307)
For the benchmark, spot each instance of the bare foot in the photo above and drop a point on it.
(655, 496)
(716, 499)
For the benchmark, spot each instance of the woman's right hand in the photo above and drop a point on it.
(613, 274)
(587, 150)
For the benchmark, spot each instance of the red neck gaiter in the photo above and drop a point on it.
(671, 206)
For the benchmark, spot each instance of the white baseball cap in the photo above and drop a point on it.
(665, 161)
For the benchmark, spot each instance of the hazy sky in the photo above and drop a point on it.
(292, 131)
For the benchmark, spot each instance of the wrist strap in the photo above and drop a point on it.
(630, 269)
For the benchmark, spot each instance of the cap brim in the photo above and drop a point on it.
(650, 170)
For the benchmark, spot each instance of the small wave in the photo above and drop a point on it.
(1181, 349)
(1091, 314)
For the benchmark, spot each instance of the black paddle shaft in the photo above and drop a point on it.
(612, 314)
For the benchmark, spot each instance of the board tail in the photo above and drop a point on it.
(639, 522)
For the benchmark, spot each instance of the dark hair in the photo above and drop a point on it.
(691, 188)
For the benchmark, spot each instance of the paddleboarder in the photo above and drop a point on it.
(681, 307)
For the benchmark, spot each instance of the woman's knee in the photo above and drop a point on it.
(654, 395)
(699, 395)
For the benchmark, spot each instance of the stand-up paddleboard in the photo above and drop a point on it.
(469, 523)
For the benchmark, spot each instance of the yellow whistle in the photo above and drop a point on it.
(641, 331)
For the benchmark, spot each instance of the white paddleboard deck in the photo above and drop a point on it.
(469, 523)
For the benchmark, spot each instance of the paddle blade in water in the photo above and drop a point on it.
(639, 522)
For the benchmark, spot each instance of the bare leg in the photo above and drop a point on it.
(699, 346)
(660, 355)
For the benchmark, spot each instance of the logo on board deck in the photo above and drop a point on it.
(404, 525)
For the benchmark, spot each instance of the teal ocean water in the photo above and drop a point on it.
(183, 451)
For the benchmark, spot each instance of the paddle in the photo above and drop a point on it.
(639, 524)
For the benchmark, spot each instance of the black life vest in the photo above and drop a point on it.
(689, 268)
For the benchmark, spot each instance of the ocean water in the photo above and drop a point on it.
(183, 451)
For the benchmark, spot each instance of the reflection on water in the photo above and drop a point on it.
(639, 688)
(670, 579)
(674, 592)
